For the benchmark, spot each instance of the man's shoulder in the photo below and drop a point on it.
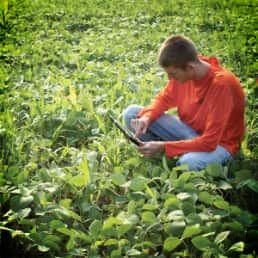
(224, 77)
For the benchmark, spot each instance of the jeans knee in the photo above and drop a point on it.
(194, 164)
(130, 113)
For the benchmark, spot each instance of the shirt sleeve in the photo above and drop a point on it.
(165, 100)
(220, 106)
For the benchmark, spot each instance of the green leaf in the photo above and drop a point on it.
(20, 202)
(243, 175)
(118, 179)
(110, 222)
(175, 215)
(149, 217)
(133, 252)
(183, 196)
(24, 213)
(116, 253)
(164, 163)
(150, 207)
(237, 247)
(221, 237)
(95, 228)
(175, 228)
(138, 184)
(84, 171)
(224, 185)
(221, 204)
(111, 241)
(171, 243)
(215, 170)
(78, 181)
(191, 231)
(201, 242)
(172, 202)
(206, 197)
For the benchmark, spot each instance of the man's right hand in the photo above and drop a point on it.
(140, 125)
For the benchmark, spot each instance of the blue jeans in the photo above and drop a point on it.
(171, 128)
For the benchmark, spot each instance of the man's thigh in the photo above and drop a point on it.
(165, 128)
(199, 160)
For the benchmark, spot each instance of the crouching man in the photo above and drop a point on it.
(210, 105)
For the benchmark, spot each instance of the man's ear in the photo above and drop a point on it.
(190, 66)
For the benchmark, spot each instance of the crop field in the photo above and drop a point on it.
(71, 185)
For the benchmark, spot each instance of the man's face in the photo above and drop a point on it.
(179, 74)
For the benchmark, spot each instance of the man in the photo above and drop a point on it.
(210, 104)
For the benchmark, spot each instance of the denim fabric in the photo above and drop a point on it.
(171, 128)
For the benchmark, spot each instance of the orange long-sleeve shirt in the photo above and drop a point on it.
(213, 106)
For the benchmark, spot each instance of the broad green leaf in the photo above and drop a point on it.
(183, 178)
(252, 184)
(133, 252)
(191, 231)
(221, 204)
(95, 228)
(224, 185)
(188, 207)
(55, 224)
(43, 248)
(171, 243)
(21, 202)
(193, 218)
(201, 242)
(172, 202)
(24, 213)
(131, 207)
(183, 196)
(175, 215)
(221, 237)
(65, 203)
(243, 175)
(122, 229)
(215, 170)
(110, 222)
(237, 247)
(84, 171)
(149, 217)
(150, 207)
(175, 228)
(111, 241)
(70, 243)
(128, 218)
(206, 197)
(77, 181)
(68, 213)
(65, 231)
(138, 184)
(118, 179)
(116, 253)
(151, 193)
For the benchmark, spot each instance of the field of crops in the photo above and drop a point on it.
(70, 184)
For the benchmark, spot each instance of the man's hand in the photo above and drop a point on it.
(150, 149)
(140, 125)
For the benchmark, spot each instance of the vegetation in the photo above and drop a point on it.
(70, 184)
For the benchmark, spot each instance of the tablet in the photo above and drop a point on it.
(125, 132)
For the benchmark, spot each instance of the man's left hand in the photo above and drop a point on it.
(150, 149)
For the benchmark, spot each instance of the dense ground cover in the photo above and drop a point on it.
(70, 184)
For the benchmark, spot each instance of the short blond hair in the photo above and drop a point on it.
(177, 51)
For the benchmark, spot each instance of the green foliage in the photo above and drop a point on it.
(4, 4)
(70, 184)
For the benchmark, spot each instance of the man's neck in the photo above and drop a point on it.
(201, 70)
